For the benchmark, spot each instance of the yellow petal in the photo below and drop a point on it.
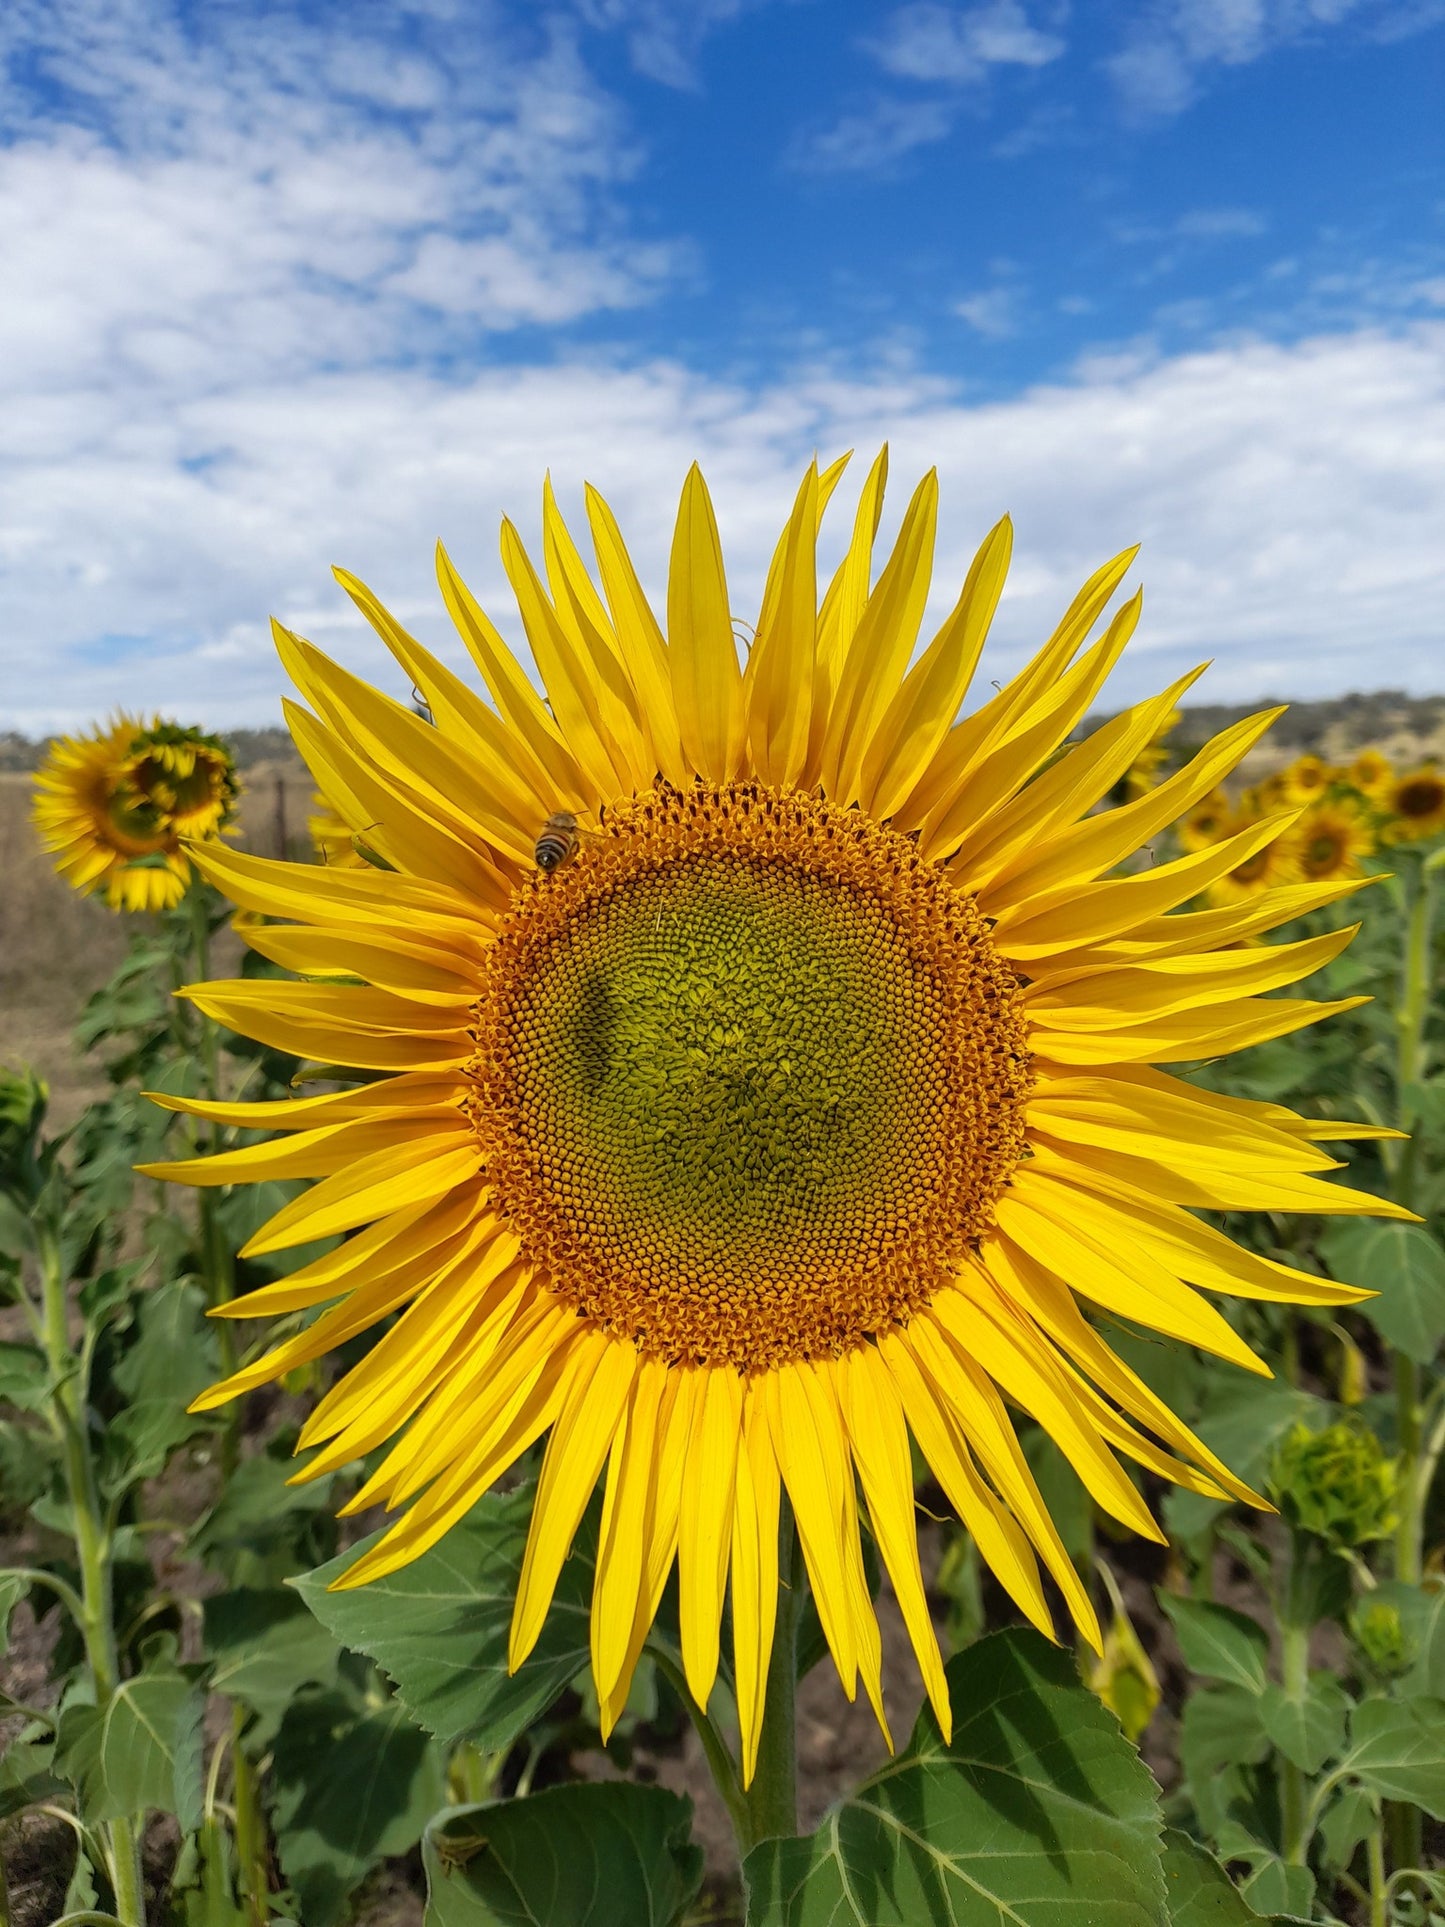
(705, 1524)
(756, 1496)
(702, 650)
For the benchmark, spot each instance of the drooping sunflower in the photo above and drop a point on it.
(115, 807)
(809, 1101)
(1415, 805)
(1329, 841)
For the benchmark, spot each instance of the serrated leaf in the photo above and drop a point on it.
(1039, 1810)
(1397, 1749)
(172, 1359)
(1308, 1730)
(1405, 1264)
(352, 1785)
(1219, 1643)
(264, 1646)
(1200, 1893)
(439, 1626)
(137, 1751)
(572, 1856)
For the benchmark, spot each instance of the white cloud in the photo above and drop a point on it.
(1169, 46)
(929, 41)
(183, 213)
(989, 313)
(665, 37)
(1289, 500)
(871, 137)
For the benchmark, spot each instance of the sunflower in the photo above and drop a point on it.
(802, 1108)
(1372, 774)
(1306, 780)
(1209, 822)
(1415, 805)
(1329, 840)
(332, 837)
(114, 807)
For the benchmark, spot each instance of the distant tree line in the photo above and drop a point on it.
(1360, 719)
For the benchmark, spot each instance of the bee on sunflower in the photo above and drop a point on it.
(1415, 806)
(114, 808)
(811, 1104)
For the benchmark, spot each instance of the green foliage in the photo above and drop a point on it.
(139, 1749)
(1336, 1485)
(587, 1856)
(439, 1626)
(1036, 1809)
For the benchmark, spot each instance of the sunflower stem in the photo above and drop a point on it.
(69, 1400)
(771, 1801)
(1294, 1677)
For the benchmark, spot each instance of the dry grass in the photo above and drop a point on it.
(56, 946)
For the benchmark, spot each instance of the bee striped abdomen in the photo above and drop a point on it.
(558, 841)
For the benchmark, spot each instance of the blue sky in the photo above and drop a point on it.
(288, 286)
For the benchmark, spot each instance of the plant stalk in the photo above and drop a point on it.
(771, 1801)
(92, 1545)
(1295, 1679)
(1375, 1851)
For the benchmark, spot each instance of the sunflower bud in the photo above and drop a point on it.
(1337, 1485)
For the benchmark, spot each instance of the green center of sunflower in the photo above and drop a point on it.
(749, 1076)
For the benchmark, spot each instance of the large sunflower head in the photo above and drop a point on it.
(1415, 805)
(115, 806)
(769, 1071)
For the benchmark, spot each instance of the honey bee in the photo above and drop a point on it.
(558, 843)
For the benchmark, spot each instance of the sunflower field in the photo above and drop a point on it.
(729, 1173)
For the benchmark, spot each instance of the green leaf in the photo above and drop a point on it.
(1200, 1892)
(264, 1646)
(439, 1626)
(1310, 1730)
(13, 1588)
(572, 1856)
(353, 1784)
(1219, 1643)
(1422, 1616)
(1277, 1889)
(1397, 1749)
(24, 1376)
(1038, 1810)
(172, 1359)
(1221, 1734)
(137, 1751)
(1243, 1424)
(1406, 1265)
(1347, 1821)
(26, 1777)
